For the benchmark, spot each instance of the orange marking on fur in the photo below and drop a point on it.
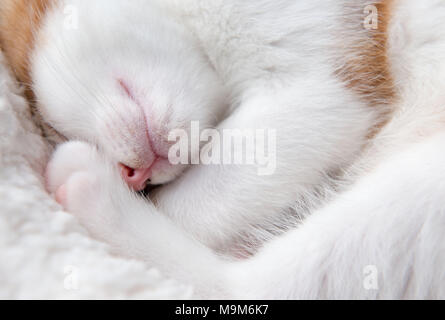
(19, 23)
(367, 70)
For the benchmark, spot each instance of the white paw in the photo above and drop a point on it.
(77, 176)
(69, 158)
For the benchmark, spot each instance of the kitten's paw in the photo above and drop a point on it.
(77, 194)
(69, 158)
(84, 196)
(72, 176)
(81, 182)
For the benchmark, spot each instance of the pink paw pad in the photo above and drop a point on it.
(61, 195)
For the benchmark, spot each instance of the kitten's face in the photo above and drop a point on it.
(124, 86)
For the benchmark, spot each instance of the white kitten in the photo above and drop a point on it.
(131, 72)
(278, 80)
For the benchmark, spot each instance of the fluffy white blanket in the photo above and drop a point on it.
(44, 252)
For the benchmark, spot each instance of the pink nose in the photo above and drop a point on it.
(135, 178)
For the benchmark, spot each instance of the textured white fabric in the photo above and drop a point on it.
(44, 253)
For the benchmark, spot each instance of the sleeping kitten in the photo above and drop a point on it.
(325, 75)
(123, 76)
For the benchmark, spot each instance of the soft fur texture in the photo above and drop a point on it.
(284, 65)
(185, 61)
(40, 245)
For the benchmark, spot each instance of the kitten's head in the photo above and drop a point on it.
(123, 76)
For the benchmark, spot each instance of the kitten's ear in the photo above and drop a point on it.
(20, 22)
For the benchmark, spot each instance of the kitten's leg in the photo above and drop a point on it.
(314, 135)
(383, 238)
(91, 188)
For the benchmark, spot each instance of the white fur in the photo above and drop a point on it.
(279, 80)
(277, 61)
(44, 253)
